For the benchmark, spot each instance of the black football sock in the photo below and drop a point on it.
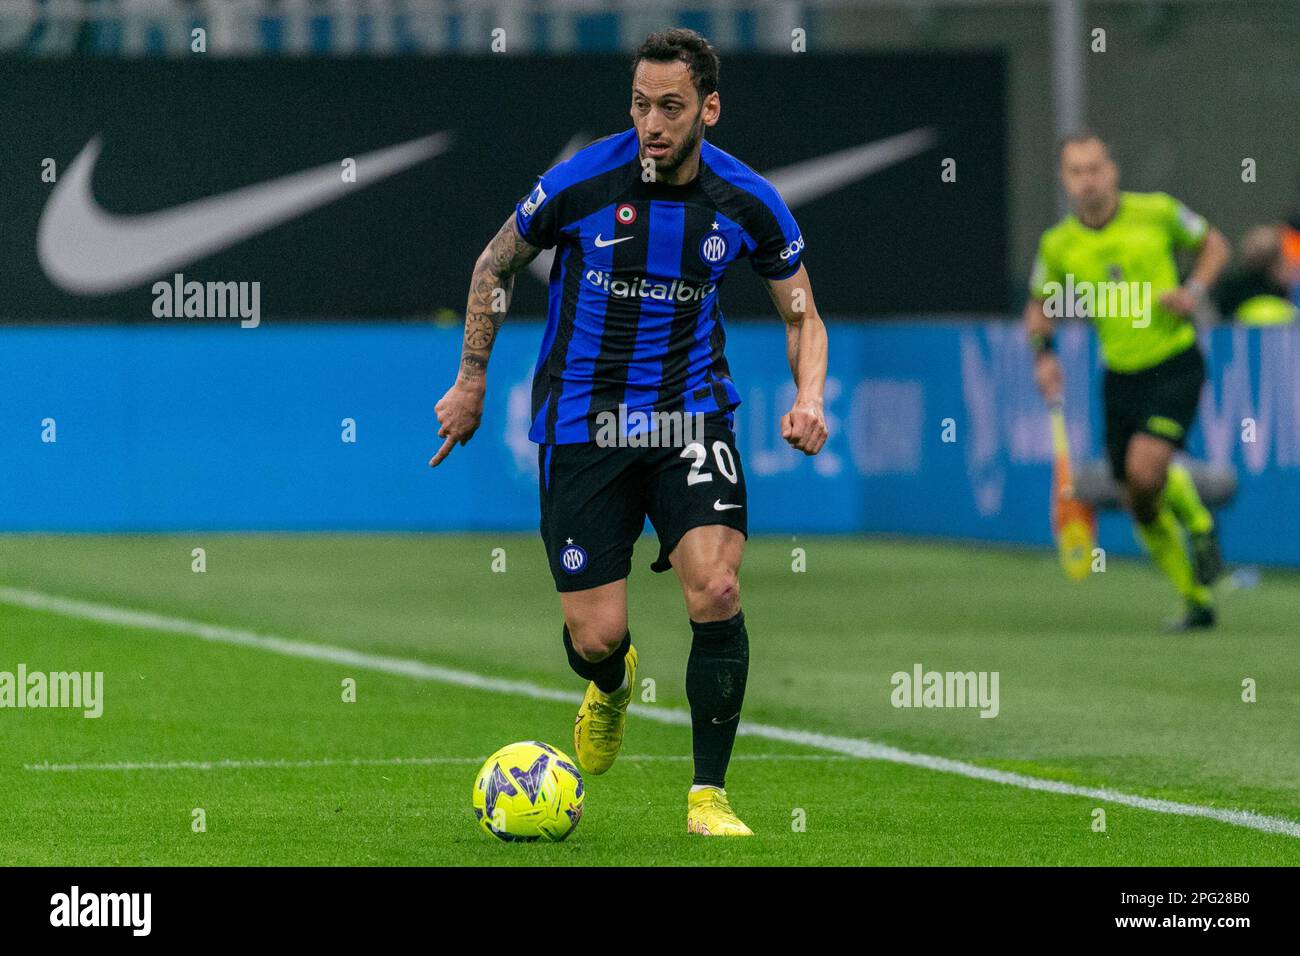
(715, 686)
(608, 674)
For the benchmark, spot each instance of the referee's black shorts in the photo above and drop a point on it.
(1159, 401)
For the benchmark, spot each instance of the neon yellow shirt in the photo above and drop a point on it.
(1115, 276)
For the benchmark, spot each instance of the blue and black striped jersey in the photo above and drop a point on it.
(634, 316)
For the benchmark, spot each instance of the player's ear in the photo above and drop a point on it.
(712, 108)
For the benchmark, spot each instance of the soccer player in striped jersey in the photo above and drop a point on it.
(1112, 258)
(632, 405)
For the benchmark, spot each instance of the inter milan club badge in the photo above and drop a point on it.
(625, 214)
(573, 559)
(713, 247)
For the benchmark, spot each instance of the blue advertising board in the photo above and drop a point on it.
(937, 430)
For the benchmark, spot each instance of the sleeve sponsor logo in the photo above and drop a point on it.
(535, 199)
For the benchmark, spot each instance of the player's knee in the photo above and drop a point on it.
(715, 596)
(595, 637)
(1145, 485)
(1144, 497)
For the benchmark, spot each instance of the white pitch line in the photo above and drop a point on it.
(255, 764)
(287, 764)
(419, 670)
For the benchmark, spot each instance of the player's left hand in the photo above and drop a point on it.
(1181, 301)
(804, 426)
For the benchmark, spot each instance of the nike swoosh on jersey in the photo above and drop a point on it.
(801, 183)
(719, 506)
(602, 243)
(88, 251)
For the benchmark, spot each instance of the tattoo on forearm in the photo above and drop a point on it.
(489, 296)
(480, 331)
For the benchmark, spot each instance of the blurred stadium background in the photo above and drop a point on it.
(130, 440)
(192, 424)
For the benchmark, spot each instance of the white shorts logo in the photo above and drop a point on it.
(573, 559)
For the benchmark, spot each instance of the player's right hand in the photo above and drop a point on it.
(1048, 375)
(459, 413)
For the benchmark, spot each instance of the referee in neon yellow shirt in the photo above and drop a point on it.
(1112, 260)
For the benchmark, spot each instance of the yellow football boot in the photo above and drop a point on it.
(709, 814)
(598, 730)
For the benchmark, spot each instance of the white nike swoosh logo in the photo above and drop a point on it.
(602, 243)
(719, 506)
(802, 183)
(728, 720)
(88, 251)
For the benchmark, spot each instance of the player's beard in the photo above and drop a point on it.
(678, 156)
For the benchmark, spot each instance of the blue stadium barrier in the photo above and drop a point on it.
(169, 428)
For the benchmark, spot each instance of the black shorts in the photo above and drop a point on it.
(1159, 401)
(595, 501)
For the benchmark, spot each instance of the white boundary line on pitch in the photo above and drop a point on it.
(419, 670)
(291, 764)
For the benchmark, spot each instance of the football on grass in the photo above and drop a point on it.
(528, 791)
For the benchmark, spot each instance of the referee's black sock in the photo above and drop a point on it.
(608, 673)
(715, 686)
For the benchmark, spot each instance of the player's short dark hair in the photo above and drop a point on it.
(668, 46)
(1082, 135)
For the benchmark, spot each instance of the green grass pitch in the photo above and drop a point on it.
(1091, 694)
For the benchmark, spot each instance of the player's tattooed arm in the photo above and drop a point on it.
(461, 409)
(804, 426)
(490, 291)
